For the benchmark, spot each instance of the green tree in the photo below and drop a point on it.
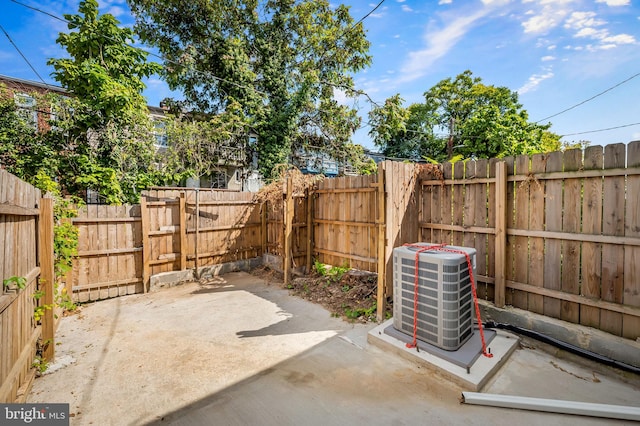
(404, 132)
(484, 121)
(22, 150)
(280, 60)
(104, 131)
(460, 116)
(199, 145)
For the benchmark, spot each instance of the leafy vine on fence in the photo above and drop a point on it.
(65, 238)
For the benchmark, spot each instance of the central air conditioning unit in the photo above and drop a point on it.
(445, 305)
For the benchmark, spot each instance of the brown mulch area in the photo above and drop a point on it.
(351, 297)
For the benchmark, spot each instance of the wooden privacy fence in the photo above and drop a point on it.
(557, 234)
(121, 247)
(26, 229)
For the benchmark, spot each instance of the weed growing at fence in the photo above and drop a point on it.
(18, 282)
(39, 310)
(348, 294)
(332, 273)
(40, 364)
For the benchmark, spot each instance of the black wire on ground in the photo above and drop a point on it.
(565, 346)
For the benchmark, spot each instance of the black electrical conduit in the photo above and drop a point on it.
(564, 345)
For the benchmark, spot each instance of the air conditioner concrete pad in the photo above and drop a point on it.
(501, 345)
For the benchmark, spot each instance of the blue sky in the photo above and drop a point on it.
(554, 53)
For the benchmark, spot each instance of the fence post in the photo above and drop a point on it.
(196, 246)
(288, 228)
(183, 232)
(47, 275)
(146, 247)
(382, 243)
(310, 229)
(501, 233)
(263, 227)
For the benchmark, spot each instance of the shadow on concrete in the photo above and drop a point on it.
(294, 320)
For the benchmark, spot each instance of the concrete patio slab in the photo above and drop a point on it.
(237, 351)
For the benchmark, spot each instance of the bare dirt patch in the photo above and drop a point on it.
(348, 294)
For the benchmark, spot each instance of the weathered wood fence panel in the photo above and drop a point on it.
(19, 257)
(121, 247)
(344, 222)
(109, 262)
(229, 227)
(571, 230)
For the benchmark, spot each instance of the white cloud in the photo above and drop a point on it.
(341, 97)
(547, 58)
(406, 8)
(534, 81)
(539, 24)
(579, 20)
(548, 17)
(445, 2)
(438, 43)
(620, 39)
(592, 33)
(615, 2)
(495, 2)
(155, 82)
(552, 47)
(116, 11)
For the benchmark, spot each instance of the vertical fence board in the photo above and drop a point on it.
(571, 223)
(482, 239)
(631, 297)
(518, 249)
(511, 240)
(458, 203)
(591, 224)
(613, 224)
(536, 223)
(446, 203)
(501, 212)
(470, 208)
(553, 222)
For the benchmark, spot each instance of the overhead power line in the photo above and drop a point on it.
(22, 54)
(590, 99)
(203, 73)
(358, 92)
(602, 130)
(366, 16)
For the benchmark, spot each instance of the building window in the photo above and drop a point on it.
(27, 109)
(219, 179)
(160, 133)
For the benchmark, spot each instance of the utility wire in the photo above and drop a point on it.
(365, 16)
(23, 57)
(602, 130)
(358, 92)
(590, 99)
(203, 73)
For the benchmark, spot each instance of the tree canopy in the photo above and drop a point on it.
(103, 132)
(281, 61)
(460, 116)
